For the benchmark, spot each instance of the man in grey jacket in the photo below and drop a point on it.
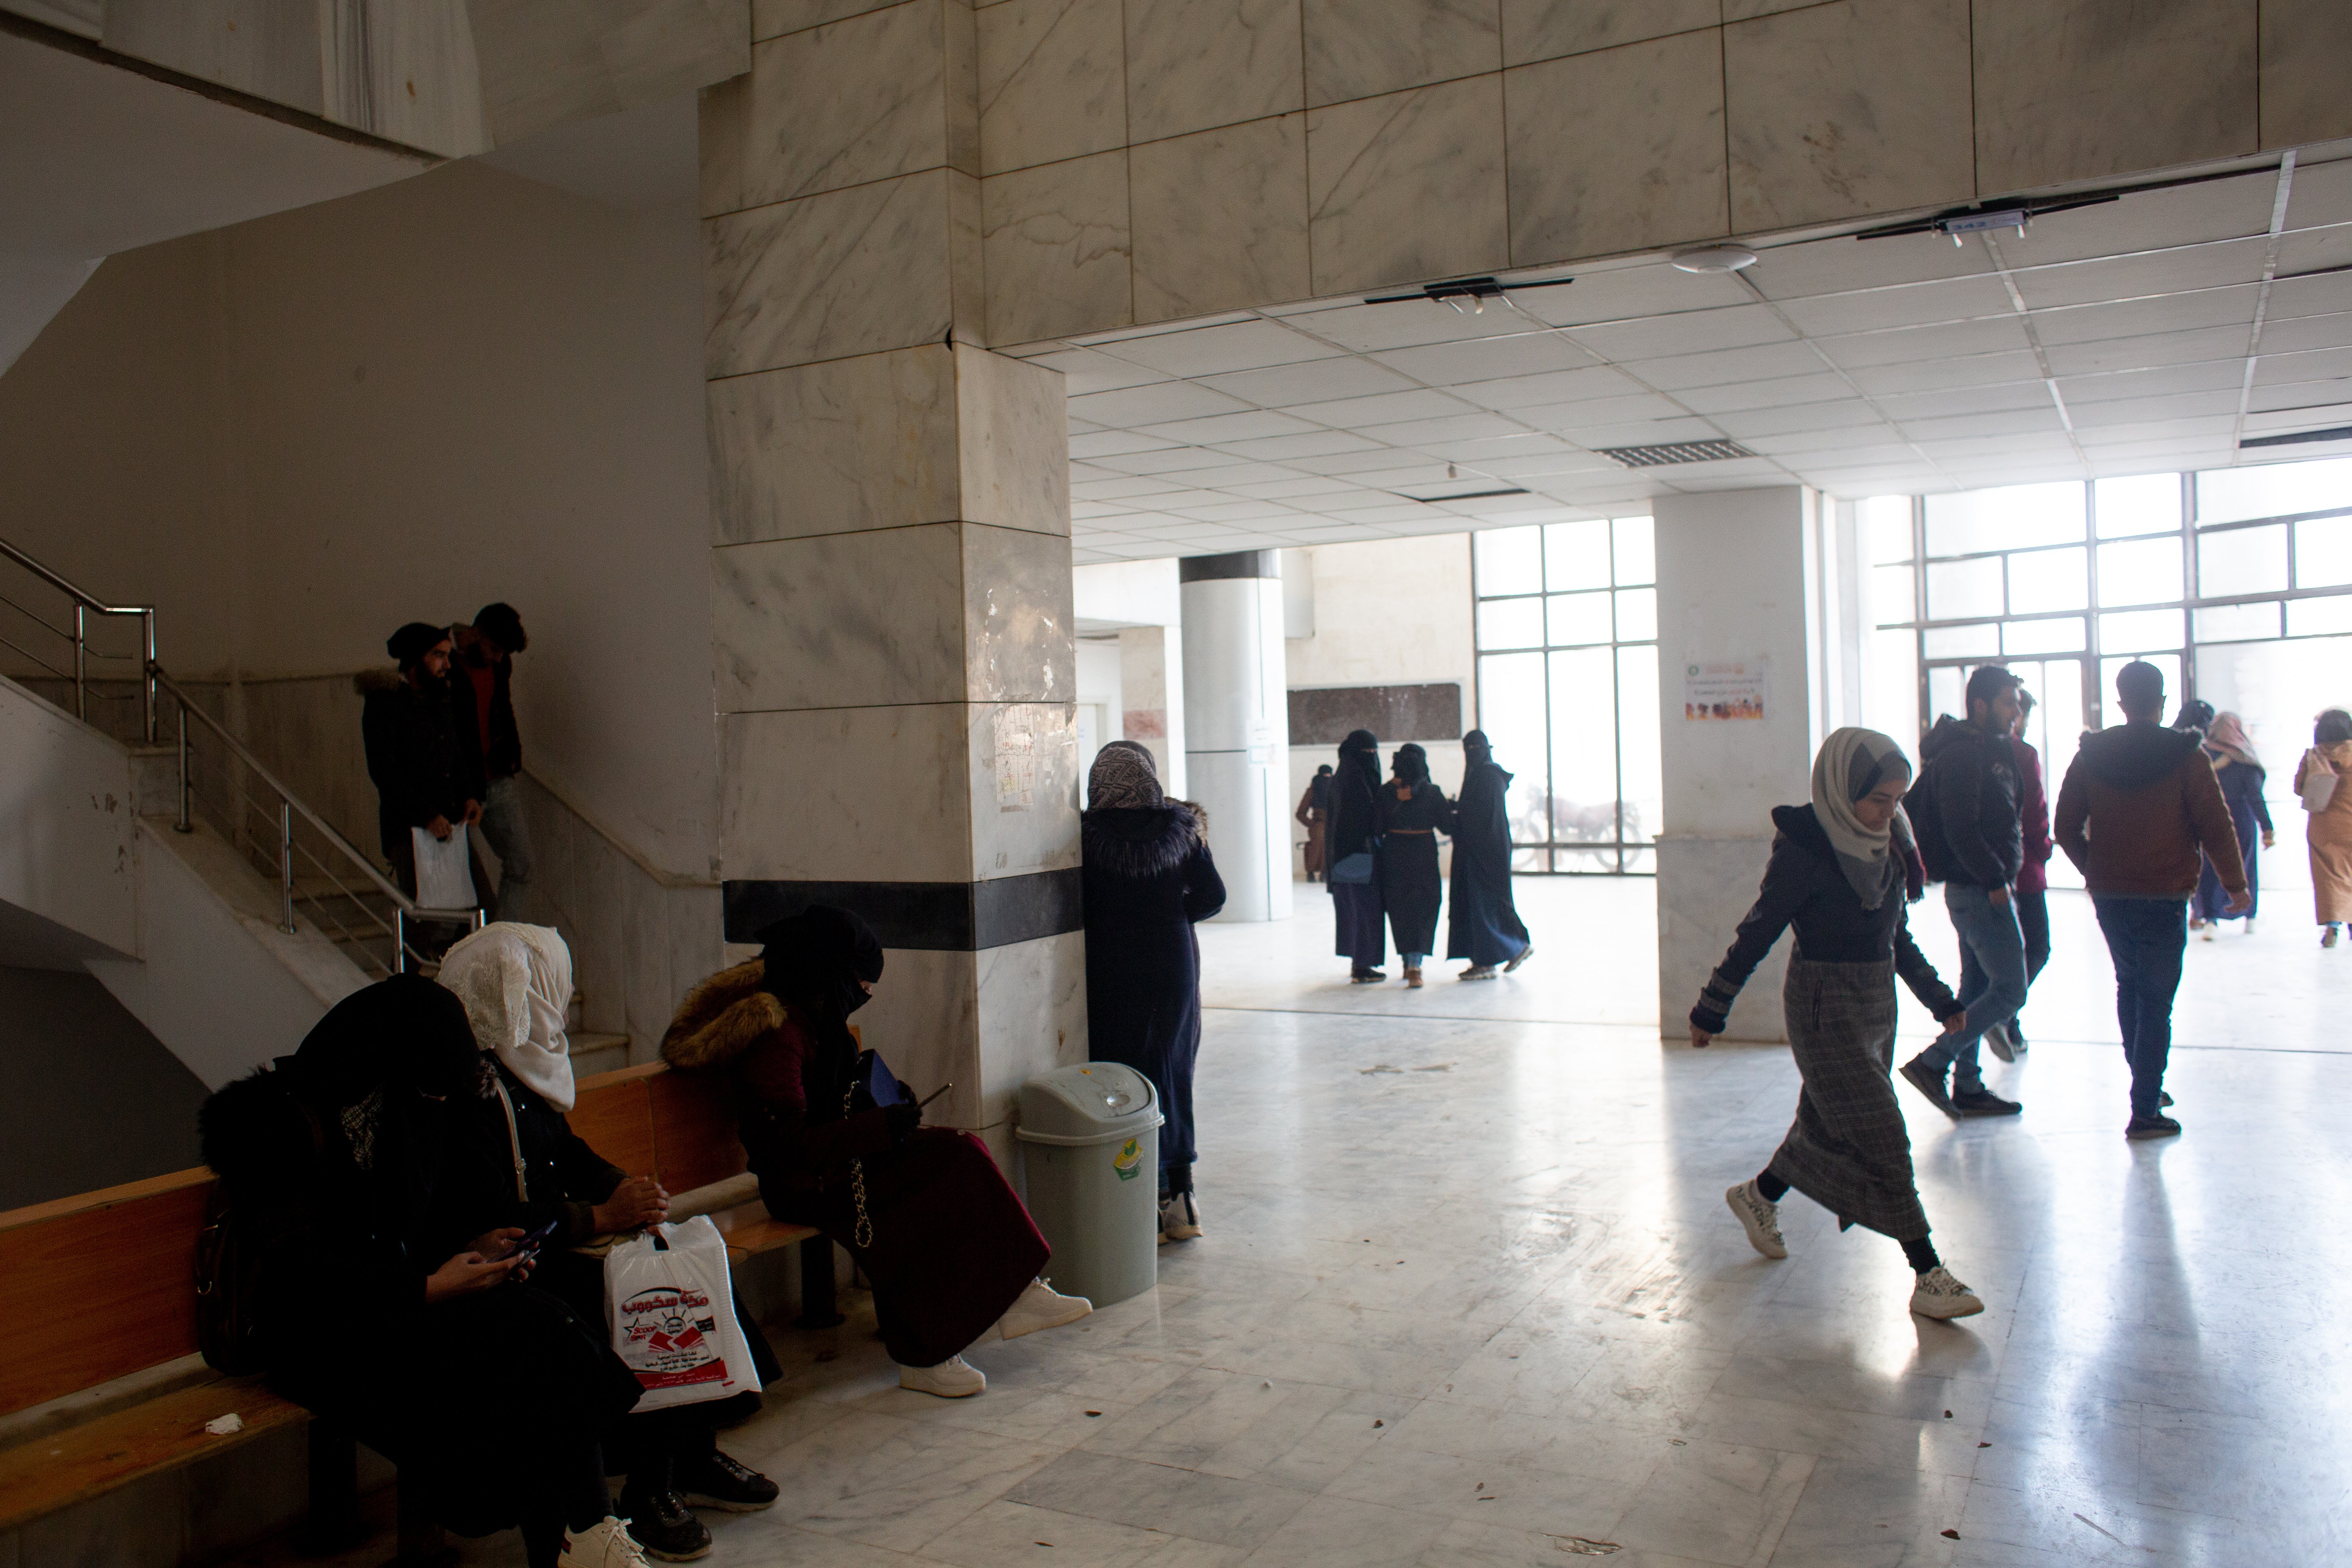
(1965, 819)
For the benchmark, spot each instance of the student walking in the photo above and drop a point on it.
(1836, 878)
(2139, 803)
(1966, 813)
(423, 771)
(1359, 931)
(2032, 894)
(2318, 780)
(1313, 814)
(2240, 774)
(1482, 924)
(1413, 812)
(481, 698)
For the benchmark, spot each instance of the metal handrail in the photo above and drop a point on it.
(87, 603)
(404, 909)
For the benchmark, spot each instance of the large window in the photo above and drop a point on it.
(1568, 689)
(2237, 584)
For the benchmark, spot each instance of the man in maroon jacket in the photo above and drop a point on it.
(2139, 803)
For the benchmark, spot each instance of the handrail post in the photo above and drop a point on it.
(147, 669)
(399, 940)
(286, 861)
(184, 825)
(81, 661)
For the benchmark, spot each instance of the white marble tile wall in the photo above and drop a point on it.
(847, 795)
(1017, 616)
(1363, 48)
(1013, 437)
(1705, 886)
(2071, 90)
(1658, 109)
(1220, 218)
(2306, 57)
(771, 18)
(853, 101)
(1847, 109)
(1022, 769)
(1033, 1019)
(1054, 249)
(1195, 64)
(1407, 187)
(1547, 29)
(542, 67)
(1051, 83)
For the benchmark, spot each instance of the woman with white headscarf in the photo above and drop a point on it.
(1836, 875)
(516, 983)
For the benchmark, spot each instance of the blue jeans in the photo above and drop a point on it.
(1993, 979)
(503, 828)
(2146, 938)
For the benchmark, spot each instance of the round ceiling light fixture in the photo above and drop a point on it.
(1714, 259)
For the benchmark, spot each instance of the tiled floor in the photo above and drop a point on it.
(1470, 1295)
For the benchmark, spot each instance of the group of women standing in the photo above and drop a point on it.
(1380, 853)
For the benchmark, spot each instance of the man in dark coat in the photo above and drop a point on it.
(424, 776)
(1351, 860)
(478, 694)
(1484, 925)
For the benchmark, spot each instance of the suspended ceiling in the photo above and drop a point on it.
(2149, 333)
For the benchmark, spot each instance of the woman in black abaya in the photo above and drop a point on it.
(1353, 857)
(1483, 925)
(1413, 812)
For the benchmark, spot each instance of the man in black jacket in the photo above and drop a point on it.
(1968, 790)
(424, 776)
(485, 726)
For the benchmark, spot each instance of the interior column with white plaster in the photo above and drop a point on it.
(1237, 724)
(1761, 578)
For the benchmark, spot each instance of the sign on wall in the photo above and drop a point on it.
(1730, 688)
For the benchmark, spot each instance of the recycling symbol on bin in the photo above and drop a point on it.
(1128, 1160)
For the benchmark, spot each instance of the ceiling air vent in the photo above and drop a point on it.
(1675, 452)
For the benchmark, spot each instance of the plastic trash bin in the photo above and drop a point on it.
(1091, 1137)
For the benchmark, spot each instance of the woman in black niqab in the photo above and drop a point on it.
(1413, 812)
(822, 964)
(1482, 924)
(1351, 858)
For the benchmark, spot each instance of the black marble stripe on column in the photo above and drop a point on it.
(936, 916)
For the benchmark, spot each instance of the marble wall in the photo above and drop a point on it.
(1164, 159)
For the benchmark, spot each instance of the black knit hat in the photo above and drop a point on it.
(413, 642)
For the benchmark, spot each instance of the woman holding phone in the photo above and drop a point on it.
(1835, 877)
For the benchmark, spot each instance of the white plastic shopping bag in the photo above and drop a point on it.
(671, 1308)
(444, 874)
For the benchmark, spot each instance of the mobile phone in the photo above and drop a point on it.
(935, 1094)
(528, 1245)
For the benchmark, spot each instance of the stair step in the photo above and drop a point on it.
(595, 1052)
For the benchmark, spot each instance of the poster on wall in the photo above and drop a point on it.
(1730, 688)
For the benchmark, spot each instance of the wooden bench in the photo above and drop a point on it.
(106, 1384)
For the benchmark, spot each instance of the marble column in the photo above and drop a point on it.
(1750, 579)
(1237, 724)
(1152, 698)
(894, 671)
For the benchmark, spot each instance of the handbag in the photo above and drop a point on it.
(1355, 871)
(670, 1305)
(2319, 781)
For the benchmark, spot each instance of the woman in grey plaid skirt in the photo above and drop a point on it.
(1836, 875)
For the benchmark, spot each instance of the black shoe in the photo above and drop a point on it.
(1997, 1038)
(2152, 1127)
(1929, 1081)
(1367, 976)
(718, 1481)
(1983, 1102)
(2163, 1099)
(665, 1528)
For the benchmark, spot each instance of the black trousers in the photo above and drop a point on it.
(2033, 919)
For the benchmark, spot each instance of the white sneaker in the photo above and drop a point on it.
(2207, 934)
(1179, 1218)
(1525, 953)
(1478, 971)
(1939, 1295)
(1759, 1216)
(954, 1378)
(2250, 925)
(1040, 1306)
(607, 1545)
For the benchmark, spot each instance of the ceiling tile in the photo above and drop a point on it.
(1644, 433)
(1153, 404)
(2146, 220)
(2134, 410)
(1350, 462)
(2315, 250)
(1088, 370)
(1964, 400)
(2175, 312)
(2299, 394)
(1629, 293)
(1850, 411)
(2141, 353)
(2321, 193)
(1354, 412)
(1250, 424)
(1686, 332)
(1238, 511)
(1393, 513)
(2042, 421)
(1123, 488)
(2320, 364)
(1417, 433)
(1094, 448)
(1762, 362)
(1409, 475)
(1317, 381)
(1979, 369)
(2324, 295)
(1909, 305)
(2209, 376)
(1821, 387)
(1406, 323)
(1805, 459)
(2299, 334)
(1558, 386)
(1303, 486)
(1567, 460)
(2280, 421)
(1488, 359)
(1225, 476)
(1166, 459)
(1740, 473)
(1862, 351)
(1085, 511)
(1209, 351)
(1826, 440)
(2138, 276)
(1838, 265)
(1602, 411)
(1286, 450)
(1519, 444)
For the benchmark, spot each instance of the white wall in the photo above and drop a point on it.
(296, 434)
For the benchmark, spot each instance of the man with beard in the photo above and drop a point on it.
(478, 694)
(424, 776)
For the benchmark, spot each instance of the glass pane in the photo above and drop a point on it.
(1890, 686)
(1579, 618)
(1958, 590)
(1510, 623)
(1946, 686)
(2062, 635)
(2235, 622)
(1576, 554)
(2276, 688)
(2006, 519)
(2245, 560)
(2274, 490)
(1531, 860)
(1641, 863)
(1885, 525)
(2145, 503)
(1511, 711)
(1637, 615)
(1510, 560)
(2139, 631)
(2042, 580)
(1583, 759)
(2143, 571)
(2322, 553)
(1587, 862)
(2319, 617)
(1963, 642)
(1637, 742)
(1637, 554)
(2168, 663)
(1892, 592)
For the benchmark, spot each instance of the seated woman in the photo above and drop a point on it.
(489, 1396)
(925, 1212)
(532, 1170)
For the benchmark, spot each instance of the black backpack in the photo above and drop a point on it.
(226, 1291)
(1927, 828)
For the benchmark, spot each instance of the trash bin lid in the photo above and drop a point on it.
(1094, 1102)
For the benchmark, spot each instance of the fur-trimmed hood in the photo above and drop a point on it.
(722, 1018)
(367, 682)
(1142, 841)
(254, 1128)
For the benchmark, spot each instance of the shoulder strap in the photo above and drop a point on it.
(514, 1140)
